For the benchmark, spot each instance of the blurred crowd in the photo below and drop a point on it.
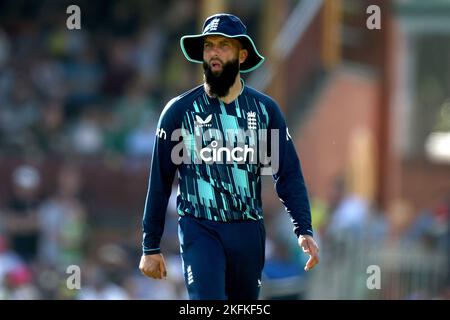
(82, 97)
(79, 95)
(40, 237)
(92, 91)
(96, 93)
(411, 246)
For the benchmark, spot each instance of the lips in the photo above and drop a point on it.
(215, 64)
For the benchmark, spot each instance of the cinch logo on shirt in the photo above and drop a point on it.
(215, 154)
(230, 147)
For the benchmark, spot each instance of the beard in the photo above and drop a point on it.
(220, 83)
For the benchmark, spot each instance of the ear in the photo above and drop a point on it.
(243, 54)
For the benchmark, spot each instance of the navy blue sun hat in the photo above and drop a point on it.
(226, 25)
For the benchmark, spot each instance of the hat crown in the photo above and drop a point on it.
(224, 23)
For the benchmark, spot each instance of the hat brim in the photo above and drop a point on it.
(192, 47)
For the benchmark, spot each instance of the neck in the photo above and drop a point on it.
(233, 93)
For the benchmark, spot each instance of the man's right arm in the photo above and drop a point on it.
(162, 172)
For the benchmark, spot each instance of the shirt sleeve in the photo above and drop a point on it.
(162, 172)
(289, 182)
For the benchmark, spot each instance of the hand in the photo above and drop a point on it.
(153, 266)
(310, 247)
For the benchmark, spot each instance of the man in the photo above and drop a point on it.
(222, 123)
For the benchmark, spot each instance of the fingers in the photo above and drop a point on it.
(310, 247)
(312, 261)
(150, 272)
(153, 267)
(153, 272)
(305, 246)
(313, 248)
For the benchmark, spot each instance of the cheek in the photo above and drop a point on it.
(207, 53)
(237, 55)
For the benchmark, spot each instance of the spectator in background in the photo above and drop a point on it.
(49, 134)
(283, 274)
(6, 73)
(148, 52)
(447, 246)
(84, 75)
(62, 219)
(99, 287)
(120, 70)
(21, 220)
(87, 135)
(133, 122)
(20, 111)
(15, 276)
(5, 48)
(349, 212)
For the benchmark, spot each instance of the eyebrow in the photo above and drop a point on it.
(221, 41)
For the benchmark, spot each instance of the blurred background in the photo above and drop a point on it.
(368, 110)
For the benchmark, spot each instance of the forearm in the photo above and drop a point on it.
(153, 221)
(292, 191)
(289, 182)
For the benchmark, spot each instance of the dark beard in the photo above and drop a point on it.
(219, 85)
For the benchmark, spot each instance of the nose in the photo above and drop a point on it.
(214, 50)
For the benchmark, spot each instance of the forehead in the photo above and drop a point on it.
(218, 39)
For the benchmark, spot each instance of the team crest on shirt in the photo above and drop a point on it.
(251, 120)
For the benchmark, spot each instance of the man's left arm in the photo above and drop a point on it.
(291, 188)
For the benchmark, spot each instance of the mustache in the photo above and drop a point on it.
(215, 59)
